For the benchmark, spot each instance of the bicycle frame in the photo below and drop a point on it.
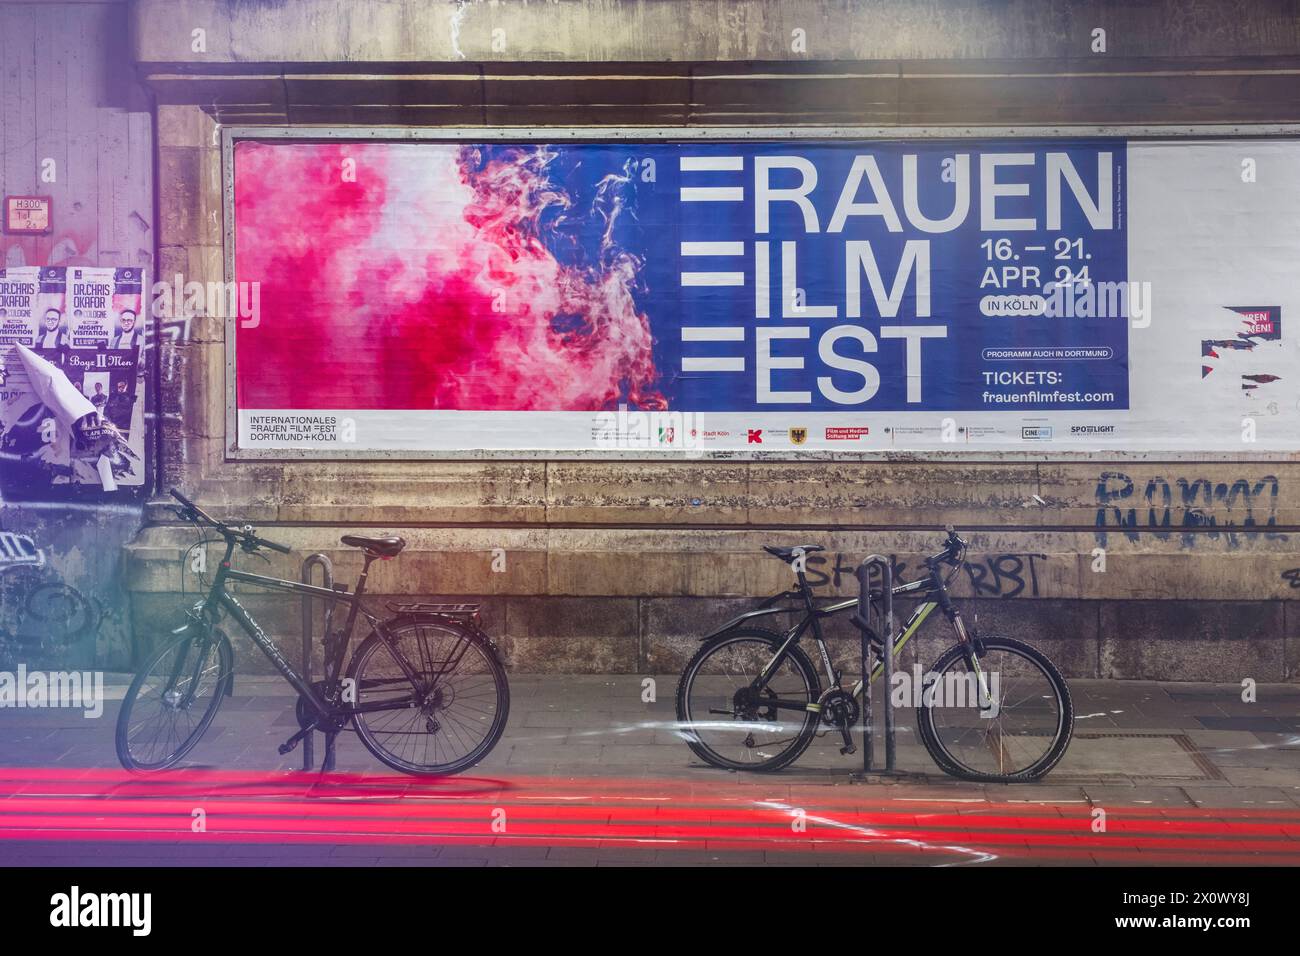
(932, 591)
(337, 644)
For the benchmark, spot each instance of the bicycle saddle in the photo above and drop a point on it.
(788, 554)
(380, 547)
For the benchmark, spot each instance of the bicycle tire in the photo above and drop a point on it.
(952, 765)
(369, 735)
(225, 675)
(686, 721)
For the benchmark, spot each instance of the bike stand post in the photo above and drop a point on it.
(327, 570)
(863, 619)
(887, 573)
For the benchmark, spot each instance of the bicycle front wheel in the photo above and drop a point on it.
(452, 720)
(172, 701)
(1015, 728)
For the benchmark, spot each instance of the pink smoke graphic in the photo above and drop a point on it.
(414, 276)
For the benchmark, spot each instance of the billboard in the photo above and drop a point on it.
(798, 297)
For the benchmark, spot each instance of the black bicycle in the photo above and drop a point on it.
(425, 690)
(990, 709)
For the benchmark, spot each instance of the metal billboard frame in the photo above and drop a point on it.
(230, 135)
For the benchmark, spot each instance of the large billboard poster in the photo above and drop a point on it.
(796, 297)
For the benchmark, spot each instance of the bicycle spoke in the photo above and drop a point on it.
(1022, 733)
(731, 725)
(459, 708)
(170, 704)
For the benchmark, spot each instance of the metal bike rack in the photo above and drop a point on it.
(863, 619)
(327, 582)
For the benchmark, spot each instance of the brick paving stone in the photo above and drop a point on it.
(1240, 797)
(1261, 777)
(1104, 796)
(1252, 723)
(1209, 740)
(1266, 757)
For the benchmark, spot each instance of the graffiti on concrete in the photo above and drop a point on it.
(42, 609)
(19, 550)
(1292, 577)
(167, 331)
(1167, 505)
(1006, 575)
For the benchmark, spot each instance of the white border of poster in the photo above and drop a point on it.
(1197, 261)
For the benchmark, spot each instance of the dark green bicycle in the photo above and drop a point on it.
(990, 709)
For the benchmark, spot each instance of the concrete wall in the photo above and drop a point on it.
(69, 96)
(615, 566)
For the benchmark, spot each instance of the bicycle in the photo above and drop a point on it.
(425, 690)
(991, 709)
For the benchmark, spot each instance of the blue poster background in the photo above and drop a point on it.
(628, 199)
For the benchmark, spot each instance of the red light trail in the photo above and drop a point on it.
(111, 806)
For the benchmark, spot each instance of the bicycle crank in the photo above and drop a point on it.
(840, 709)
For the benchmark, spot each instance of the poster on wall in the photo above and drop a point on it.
(19, 306)
(72, 384)
(797, 297)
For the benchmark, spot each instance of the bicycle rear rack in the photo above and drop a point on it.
(863, 619)
(463, 612)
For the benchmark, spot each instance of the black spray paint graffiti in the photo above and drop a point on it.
(1292, 577)
(1164, 505)
(999, 575)
(46, 611)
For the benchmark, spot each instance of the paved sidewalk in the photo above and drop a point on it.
(588, 773)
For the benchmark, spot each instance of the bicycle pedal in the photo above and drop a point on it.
(845, 751)
(289, 745)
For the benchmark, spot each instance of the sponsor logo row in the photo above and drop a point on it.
(688, 430)
(798, 435)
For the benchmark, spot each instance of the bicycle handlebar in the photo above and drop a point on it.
(954, 548)
(247, 536)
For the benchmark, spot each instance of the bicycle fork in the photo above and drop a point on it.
(973, 647)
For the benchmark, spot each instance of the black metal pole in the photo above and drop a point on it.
(864, 575)
(327, 569)
(864, 622)
(887, 589)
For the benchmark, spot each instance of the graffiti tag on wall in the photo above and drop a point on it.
(1007, 575)
(1166, 505)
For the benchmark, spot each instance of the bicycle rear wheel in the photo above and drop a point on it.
(466, 698)
(1020, 737)
(728, 725)
(172, 701)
